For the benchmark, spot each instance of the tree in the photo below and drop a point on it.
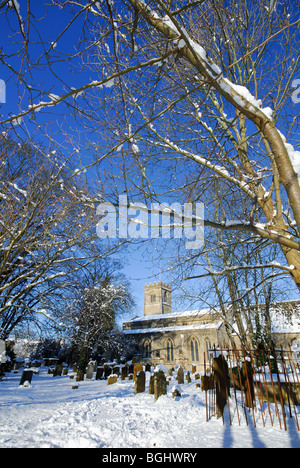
(47, 233)
(92, 318)
(185, 92)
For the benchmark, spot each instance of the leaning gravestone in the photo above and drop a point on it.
(26, 377)
(160, 384)
(140, 382)
(180, 375)
(222, 383)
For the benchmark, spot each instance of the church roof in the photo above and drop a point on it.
(285, 318)
(165, 329)
(175, 315)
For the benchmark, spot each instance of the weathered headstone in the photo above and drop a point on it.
(90, 370)
(26, 377)
(160, 384)
(58, 370)
(107, 372)
(113, 378)
(99, 372)
(207, 382)
(140, 382)
(151, 385)
(80, 376)
(124, 372)
(222, 383)
(248, 383)
(180, 375)
(137, 368)
(176, 391)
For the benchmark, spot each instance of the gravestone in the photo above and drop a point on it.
(113, 378)
(137, 368)
(99, 373)
(140, 382)
(79, 375)
(248, 383)
(151, 385)
(90, 370)
(124, 373)
(160, 384)
(3, 352)
(26, 377)
(176, 391)
(180, 375)
(107, 372)
(57, 370)
(222, 383)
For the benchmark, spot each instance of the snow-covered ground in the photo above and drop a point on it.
(50, 413)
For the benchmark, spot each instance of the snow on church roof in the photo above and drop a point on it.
(285, 318)
(186, 313)
(202, 326)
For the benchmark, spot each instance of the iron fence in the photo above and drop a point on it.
(263, 383)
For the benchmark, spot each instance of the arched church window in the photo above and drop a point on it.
(194, 347)
(147, 349)
(170, 350)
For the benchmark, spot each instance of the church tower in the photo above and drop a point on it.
(157, 299)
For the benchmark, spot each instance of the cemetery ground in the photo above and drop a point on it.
(49, 413)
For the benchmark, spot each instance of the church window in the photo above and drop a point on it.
(153, 298)
(170, 350)
(147, 349)
(194, 350)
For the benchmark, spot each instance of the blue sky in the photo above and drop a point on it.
(136, 269)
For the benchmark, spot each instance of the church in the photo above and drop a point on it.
(186, 338)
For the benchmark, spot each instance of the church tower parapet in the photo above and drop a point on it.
(157, 299)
